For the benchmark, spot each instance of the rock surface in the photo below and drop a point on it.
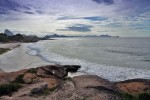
(51, 83)
(134, 86)
(9, 77)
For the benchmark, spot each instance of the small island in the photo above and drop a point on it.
(107, 36)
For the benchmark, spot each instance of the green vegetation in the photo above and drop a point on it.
(46, 92)
(142, 96)
(41, 92)
(2, 50)
(18, 37)
(32, 70)
(19, 79)
(7, 89)
(127, 96)
(4, 38)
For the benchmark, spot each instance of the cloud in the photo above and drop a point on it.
(6, 6)
(28, 12)
(66, 18)
(95, 18)
(119, 16)
(77, 28)
(104, 1)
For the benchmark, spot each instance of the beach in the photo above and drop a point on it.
(9, 45)
(34, 69)
(17, 58)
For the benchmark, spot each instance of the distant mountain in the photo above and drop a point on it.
(108, 36)
(8, 32)
(105, 35)
(54, 36)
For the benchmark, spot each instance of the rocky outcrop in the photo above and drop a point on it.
(52, 83)
(30, 78)
(134, 86)
(8, 32)
(9, 77)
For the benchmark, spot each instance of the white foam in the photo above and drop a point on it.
(32, 52)
(112, 73)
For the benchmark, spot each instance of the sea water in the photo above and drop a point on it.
(115, 59)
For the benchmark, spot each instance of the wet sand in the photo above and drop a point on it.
(18, 58)
(9, 45)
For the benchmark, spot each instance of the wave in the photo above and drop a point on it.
(112, 73)
(125, 52)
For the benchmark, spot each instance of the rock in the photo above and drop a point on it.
(8, 33)
(94, 87)
(52, 82)
(30, 78)
(39, 90)
(9, 77)
(72, 68)
(85, 87)
(85, 81)
(52, 71)
(29, 89)
(134, 86)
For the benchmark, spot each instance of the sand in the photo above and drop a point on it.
(18, 58)
(9, 45)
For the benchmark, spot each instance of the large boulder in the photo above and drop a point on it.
(8, 32)
(30, 78)
(52, 82)
(134, 86)
(52, 71)
(85, 87)
(9, 77)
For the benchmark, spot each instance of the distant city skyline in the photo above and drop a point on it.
(125, 18)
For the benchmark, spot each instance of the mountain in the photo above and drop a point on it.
(105, 35)
(8, 32)
(54, 36)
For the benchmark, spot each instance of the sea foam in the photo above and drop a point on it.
(112, 73)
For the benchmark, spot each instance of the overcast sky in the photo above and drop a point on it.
(76, 17)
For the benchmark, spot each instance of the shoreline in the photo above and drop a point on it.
(9, 45)
(5, 47)
(113, 73)
(17, 58)
(20, 58)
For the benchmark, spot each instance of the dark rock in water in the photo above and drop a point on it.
(8, 33)
(72, 68)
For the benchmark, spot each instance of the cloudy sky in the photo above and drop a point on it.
(129, 18)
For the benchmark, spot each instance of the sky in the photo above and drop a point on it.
(126, 18)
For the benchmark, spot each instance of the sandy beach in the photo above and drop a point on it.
(18, 58)
(9, 45)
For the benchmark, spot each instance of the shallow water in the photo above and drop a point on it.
(112, 58)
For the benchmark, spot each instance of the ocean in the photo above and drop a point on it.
(115, 59)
